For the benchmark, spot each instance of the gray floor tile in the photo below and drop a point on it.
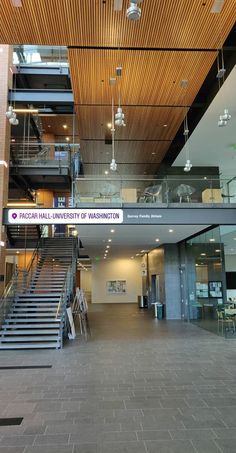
(226, 445)
(49, 449)
(166, 446)
(206, 446)
(57, 439)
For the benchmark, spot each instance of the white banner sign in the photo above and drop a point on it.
(64, 216)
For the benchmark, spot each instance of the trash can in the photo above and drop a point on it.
(142, 301)
(158, 313)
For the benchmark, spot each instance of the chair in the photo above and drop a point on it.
(152, 193)
(224, 320)
(184, 191)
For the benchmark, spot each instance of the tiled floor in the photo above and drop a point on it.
(138, 386)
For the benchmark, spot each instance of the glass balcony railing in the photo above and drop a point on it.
(39, 154)
(40, 55)
(161, 191)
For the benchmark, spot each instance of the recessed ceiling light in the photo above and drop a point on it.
(13, 140)
(165, 125)
(217, 250)
(65, 126)
(170, 230)
(109, 240)
(196, 264)
(49, 125)
(106, 172)
(107, 246)
(211, 240)
(157, 240)
(137, 254)
(109, 125)
(153, 154)
(203, 254)
(67, 139)
(17, 252)
(205, 177)
(112, 231)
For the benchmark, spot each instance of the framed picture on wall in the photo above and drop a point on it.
(215, 289)
(202, 290)
(116, 287)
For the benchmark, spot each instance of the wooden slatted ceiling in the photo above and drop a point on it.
(147, 78)
(54, 125)
(164, 23)
(127, 152)
(142, 123)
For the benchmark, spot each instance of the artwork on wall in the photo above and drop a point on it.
(201, 290)
(116, 287)
(215, 289)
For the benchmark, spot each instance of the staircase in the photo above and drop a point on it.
(22, 236)
(35, 316)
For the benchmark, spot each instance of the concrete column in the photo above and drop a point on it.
(172, 281)
(5, 80)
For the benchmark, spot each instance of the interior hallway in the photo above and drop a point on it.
(139, 385)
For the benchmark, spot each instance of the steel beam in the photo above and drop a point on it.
(39, 70)
(41, 96)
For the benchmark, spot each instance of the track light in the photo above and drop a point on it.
(119, 117)
(113, 165)
(188, 165)
(134, 12)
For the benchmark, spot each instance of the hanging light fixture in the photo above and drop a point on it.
(188, 165)
(119, 116)
(113, 164)
(10, 114)
(133, 11)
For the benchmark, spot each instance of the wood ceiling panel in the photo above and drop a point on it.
(123, 169)
(54, 125)
(148, 77)
(164, 23)
(126, 151)
(142, 123)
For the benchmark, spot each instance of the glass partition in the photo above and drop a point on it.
(211, 280)
(40, 55)
(178, 190)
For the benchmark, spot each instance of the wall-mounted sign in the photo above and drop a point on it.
(64, 216)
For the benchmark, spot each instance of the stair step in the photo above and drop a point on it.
(37, 299)
(44, 295)
(17, 319)
(30, 331)
(30, 338)
(34, 315)
(52, 345)
(30, 326)
(35, 304)
(36, 309)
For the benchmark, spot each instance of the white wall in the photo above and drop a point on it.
(86, 280)
(118, 269)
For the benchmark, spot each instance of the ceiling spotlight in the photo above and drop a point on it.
(109, 240)
(106, 172)
(65, 126)
(113, 165)
(112, 231)
(188, 165)
(67, 139)
(119, 117)
(157, 240)
(170, 230)
(134, 12)
(109, 125)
